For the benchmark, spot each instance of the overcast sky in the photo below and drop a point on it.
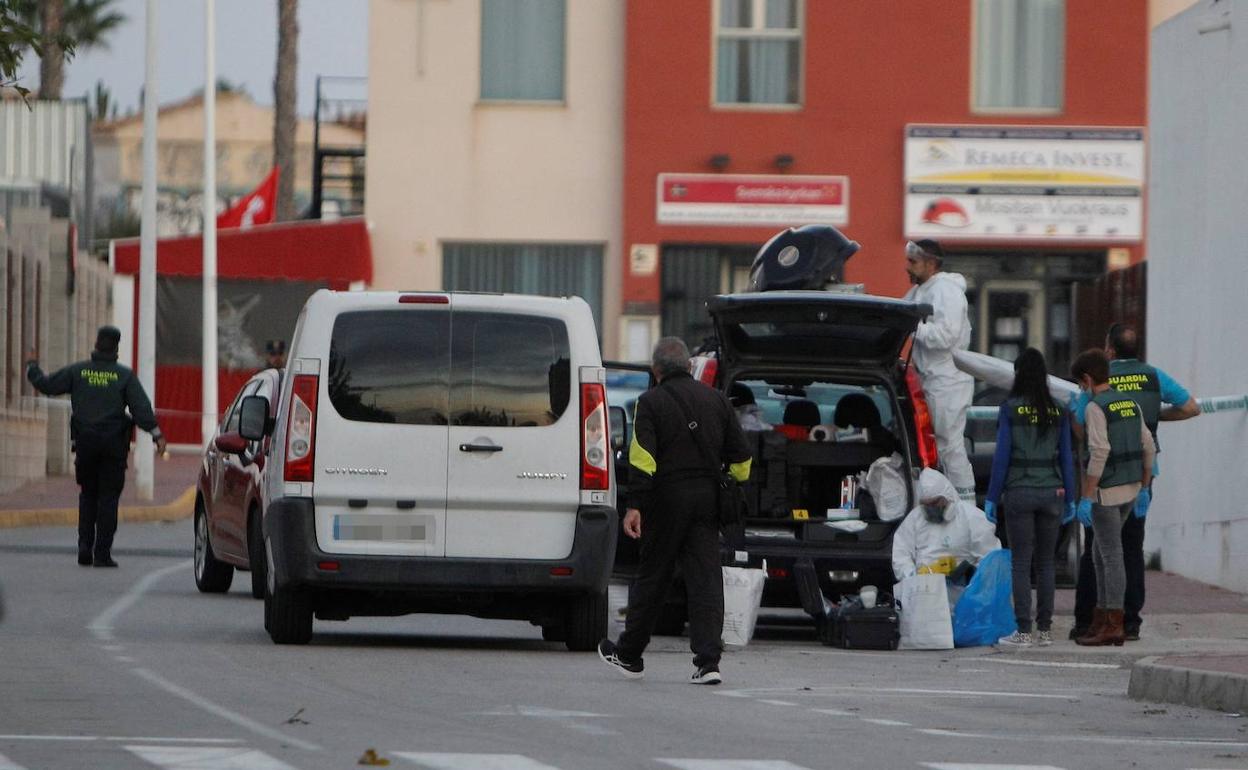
(333, 40)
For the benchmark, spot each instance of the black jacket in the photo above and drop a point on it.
(663, 450)
(100, 391)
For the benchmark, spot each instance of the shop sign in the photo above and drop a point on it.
(1024, 183)
(752, 199)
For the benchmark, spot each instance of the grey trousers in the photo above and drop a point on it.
(1033, 519)
(1111, 573)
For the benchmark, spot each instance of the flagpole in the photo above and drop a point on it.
(208, 410)
(143, 470)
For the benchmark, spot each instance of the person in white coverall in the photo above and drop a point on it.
(947, 389)
(941, 532)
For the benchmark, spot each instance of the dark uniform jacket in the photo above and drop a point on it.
(100, 391)
(663, 450)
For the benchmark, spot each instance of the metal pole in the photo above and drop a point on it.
(143, 468)
(208, 410)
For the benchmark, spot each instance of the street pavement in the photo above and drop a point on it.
(133, 668)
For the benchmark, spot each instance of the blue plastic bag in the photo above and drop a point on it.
(985, 611)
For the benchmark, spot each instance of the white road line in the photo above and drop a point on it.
(886, 722)
(1110, 740)
(894, 692)
(1049, 663)
(114, 738)
(968, 766)
(102, 626)
(8, 764)
(730, 764)
(776, 702)
(439, 761)
(201, 758)
(74, 738)
(221, 711)
(835, 712)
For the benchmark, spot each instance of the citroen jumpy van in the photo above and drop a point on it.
(439, 453)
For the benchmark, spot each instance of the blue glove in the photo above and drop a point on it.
(1069, 515)
(1079, 404)
(1084, 511)
(990, 510)
(1142, 502)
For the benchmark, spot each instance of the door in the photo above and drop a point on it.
(513, 480)
(1011, 315)
(231, 518)
(381, 434)
(220, 531)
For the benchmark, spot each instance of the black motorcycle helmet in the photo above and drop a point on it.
(806, 257)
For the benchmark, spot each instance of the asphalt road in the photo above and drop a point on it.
(132, 668)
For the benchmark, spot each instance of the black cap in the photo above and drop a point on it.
(107, 339)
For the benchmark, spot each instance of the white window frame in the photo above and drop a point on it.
(975, 108)
(756, 31)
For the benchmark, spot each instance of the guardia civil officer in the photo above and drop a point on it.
(1150, 387)
(100, 392)
(681, 425)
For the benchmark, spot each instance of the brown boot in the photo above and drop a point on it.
(1094, 630)
(1111, 632)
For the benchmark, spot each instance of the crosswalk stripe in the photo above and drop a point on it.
(730, 764)
(447, 761)
(8, 764)
(207, 758)
(972, 766)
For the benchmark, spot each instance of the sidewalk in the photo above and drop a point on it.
(53, 501)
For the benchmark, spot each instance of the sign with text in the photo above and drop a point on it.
(1024, 183)
(752, 199)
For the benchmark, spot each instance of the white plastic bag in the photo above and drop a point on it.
(886, 481)
(923, 607)
(743, 594)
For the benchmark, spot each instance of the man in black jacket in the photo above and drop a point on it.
(100, 391)
(681, 426)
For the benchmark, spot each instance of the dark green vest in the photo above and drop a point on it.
(1126, 449)
(1138, 381)
(1033, 447)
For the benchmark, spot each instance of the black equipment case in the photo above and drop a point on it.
(854, 627)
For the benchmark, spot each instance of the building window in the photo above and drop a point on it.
(758, 52)
(1020, 54)
(522, 44)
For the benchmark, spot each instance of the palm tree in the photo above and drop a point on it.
(284, 117)
(87, 22)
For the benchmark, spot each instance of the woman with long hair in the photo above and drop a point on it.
(1034, 467)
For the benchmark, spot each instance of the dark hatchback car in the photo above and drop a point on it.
(227, 498)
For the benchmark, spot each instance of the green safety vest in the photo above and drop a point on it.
(1033, 448)
(1126, 449)
(1139, 381)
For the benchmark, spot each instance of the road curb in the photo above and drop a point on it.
(1216, 690)
(180, 508)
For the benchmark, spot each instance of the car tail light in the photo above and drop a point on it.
(301, 428)
(561, 572)
(777, 573)
(424, 299)
(922, 420)
(595, 471)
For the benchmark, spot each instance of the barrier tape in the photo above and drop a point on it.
(1209, 405)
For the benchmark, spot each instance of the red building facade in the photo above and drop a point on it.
(788, 89)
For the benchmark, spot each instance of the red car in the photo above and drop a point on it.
(227, 499)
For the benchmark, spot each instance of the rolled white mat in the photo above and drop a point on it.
(1000, 373)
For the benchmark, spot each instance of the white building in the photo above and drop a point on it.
(495, 136)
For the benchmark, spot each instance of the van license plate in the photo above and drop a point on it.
(388, 529)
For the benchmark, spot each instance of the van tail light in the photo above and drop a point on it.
(301, 428)
(704, 369)
(922, 420)
(595, 471)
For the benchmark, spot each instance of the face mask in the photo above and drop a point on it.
(933, 513)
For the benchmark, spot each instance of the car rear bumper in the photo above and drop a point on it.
(289, 526)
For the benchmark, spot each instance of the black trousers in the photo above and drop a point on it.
(682, 530)
(101, 474)
(1133, 561)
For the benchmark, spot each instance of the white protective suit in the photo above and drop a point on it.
(948, 389)
(965, 535)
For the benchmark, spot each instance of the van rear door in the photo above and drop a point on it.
(381, 433)
(513, 462)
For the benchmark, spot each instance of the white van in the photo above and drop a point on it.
(439, 453)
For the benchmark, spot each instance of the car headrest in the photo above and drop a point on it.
(802, 412)
(856, 410)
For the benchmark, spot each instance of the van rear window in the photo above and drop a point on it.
(391, 366)
(509, 370)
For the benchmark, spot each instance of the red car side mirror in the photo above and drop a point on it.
(231, 443)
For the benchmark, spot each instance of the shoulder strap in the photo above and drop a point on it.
(692, 425)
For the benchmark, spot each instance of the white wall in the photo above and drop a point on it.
(444, 167)
(1197, 308)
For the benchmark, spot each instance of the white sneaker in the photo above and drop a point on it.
(1044, 639)
(1017, 640)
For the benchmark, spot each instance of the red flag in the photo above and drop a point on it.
(255, 208)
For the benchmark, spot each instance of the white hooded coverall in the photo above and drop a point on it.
(965, 534)
(948, 390)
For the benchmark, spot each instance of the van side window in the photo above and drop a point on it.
(391, 366)
(509, 370)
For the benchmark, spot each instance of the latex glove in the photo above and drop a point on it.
(1084, 511)
(1079, 404)
(1069, 516)
(990, 510)
(1142, 502)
